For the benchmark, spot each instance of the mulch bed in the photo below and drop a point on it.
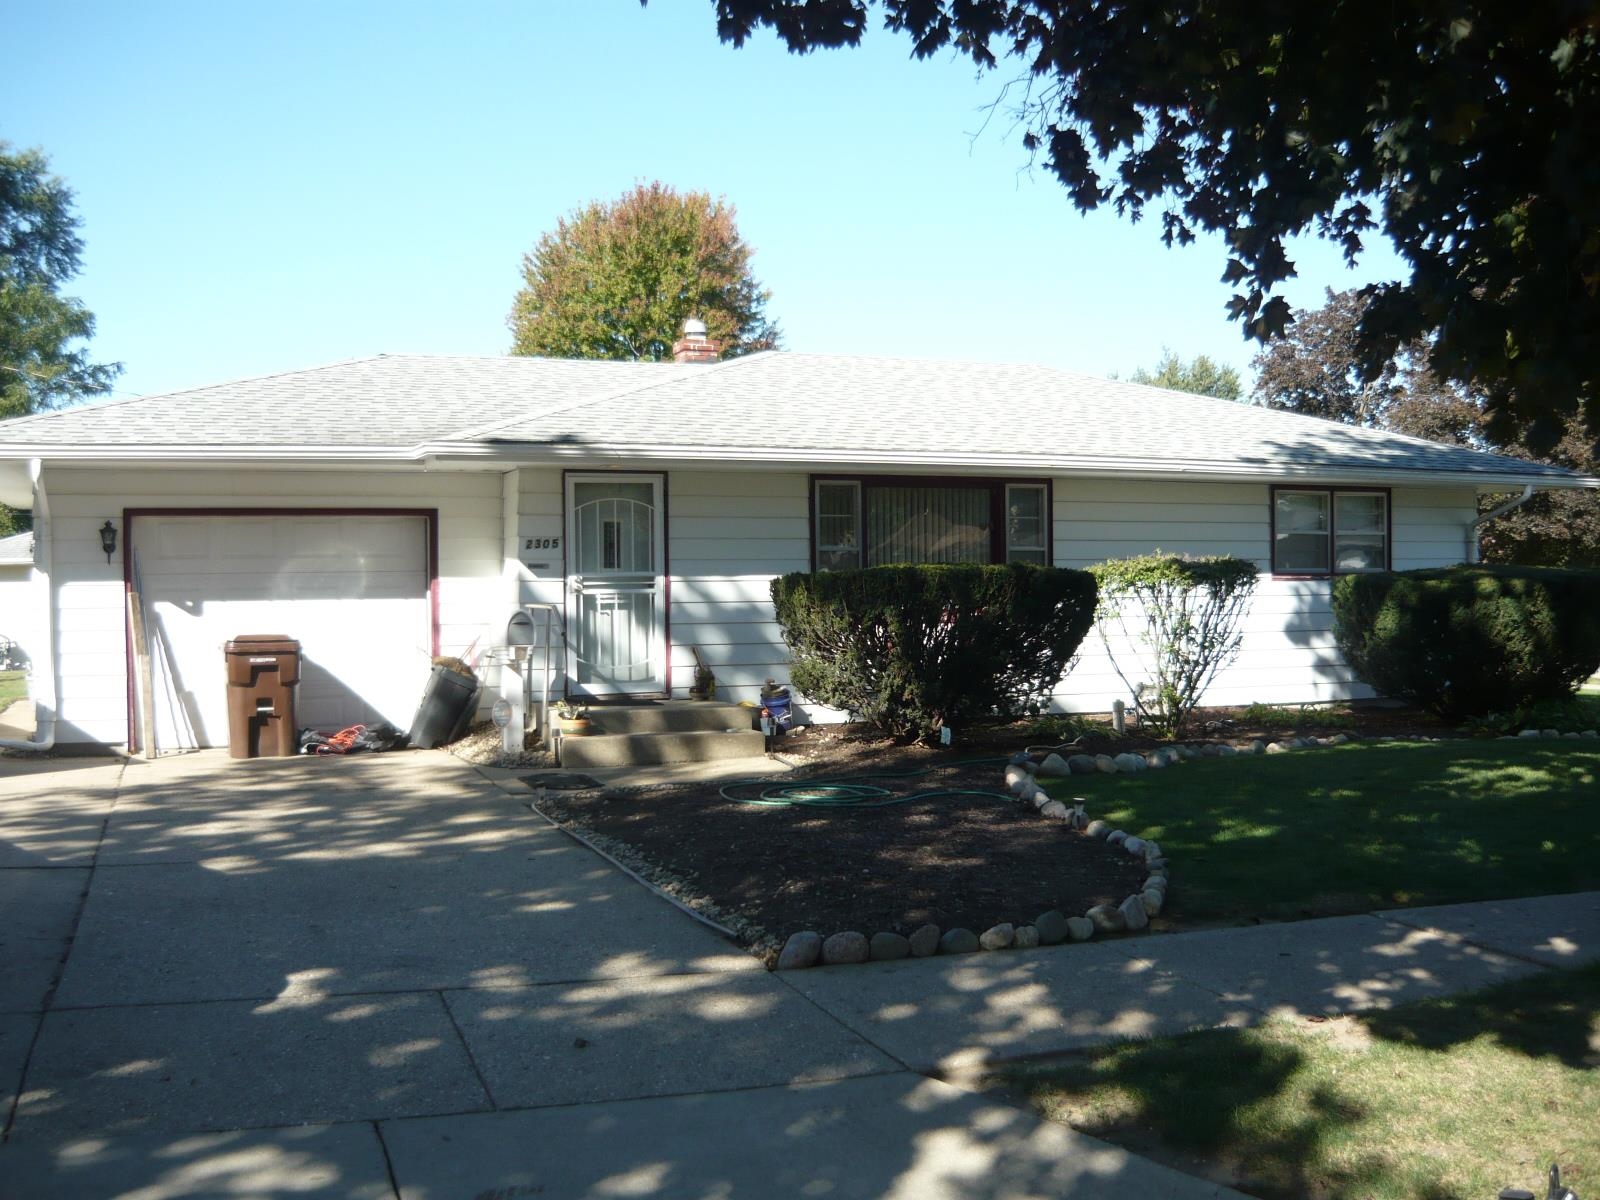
(955, 861)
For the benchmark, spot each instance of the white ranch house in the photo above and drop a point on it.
(389, 509)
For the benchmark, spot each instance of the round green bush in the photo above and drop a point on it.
(1470, 640)
(908, 648)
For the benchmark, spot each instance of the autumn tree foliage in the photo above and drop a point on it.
(1467, 133)
(616, 280)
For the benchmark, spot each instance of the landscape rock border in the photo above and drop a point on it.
(807, 948)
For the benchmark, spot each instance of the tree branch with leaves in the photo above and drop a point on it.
(1469, 137)
(616, 280)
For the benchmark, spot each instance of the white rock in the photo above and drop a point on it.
(1054, 767)
(1107, 919)
(1590, 733)
(997, 937)
(1155, 760)
(1056, 809)
(1258, 747)
(1277, 748)
(1133, 913)
(1080, 929)
(1152, 901)
(1131, 763)
(1226, 751)
(1026, 938)
(1134, 846)
(1151, 850)
(1018, 780)
(1116, 837)
(1105, 764)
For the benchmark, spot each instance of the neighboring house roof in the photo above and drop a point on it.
(776, 408)
(16, 550)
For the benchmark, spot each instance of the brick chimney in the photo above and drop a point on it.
(694, 346)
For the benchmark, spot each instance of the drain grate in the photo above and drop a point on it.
(561, 781)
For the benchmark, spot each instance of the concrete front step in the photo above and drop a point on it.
(668, 716)
(642, 749)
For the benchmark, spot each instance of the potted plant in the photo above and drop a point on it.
(572, 719)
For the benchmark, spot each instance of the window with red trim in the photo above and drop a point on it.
(871, 522)
(1329, 531)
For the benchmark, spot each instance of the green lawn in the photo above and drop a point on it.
(1449, 1098)
(1358, 827)
(13, 686)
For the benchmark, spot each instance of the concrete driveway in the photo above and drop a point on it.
(382, 976)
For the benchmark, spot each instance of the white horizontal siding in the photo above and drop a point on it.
(728, 534)
(1432, 527)
(88, 591)
(1288, 653)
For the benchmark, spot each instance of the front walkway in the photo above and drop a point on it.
(383, 976)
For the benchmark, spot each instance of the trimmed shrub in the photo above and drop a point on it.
(1466, 641)
(1186, 614)
(910, 648)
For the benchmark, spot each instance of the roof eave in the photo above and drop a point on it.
(534, 454)
(470, 455)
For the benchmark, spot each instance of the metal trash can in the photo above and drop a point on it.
(263, 672)
(446, 710)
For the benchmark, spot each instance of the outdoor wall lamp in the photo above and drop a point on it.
(108, 539)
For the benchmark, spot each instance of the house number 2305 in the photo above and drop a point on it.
(551, 543)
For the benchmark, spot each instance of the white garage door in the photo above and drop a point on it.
(353, 590)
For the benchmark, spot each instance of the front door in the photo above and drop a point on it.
(616, 589)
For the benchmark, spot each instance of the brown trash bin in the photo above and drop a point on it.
(263, 671)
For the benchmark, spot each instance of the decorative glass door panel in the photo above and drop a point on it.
(615, 587)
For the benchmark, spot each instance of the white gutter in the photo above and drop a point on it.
(476, 456)
(1474, 549)
(44, 698)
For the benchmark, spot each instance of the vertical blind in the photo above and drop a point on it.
(927, 525)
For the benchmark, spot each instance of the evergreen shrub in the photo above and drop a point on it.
(910, 648)
(1470, 640)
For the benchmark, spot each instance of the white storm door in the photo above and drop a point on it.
(616, 584)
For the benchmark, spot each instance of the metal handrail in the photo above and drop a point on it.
(554, 623)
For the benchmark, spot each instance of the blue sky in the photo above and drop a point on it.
(266, 187)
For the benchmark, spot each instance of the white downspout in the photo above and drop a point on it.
(1473, 549)
(44, 696)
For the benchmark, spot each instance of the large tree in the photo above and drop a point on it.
(1316, 369)
(43, 363)
(1468, 132)
(1201, 375)
(617, 280)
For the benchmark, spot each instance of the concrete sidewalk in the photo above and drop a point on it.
(383, 977)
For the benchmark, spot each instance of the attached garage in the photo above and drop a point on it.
(356, 589)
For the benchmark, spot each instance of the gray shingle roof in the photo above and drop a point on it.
(16, 550)
(391, 400)
(893, 408)
(802, 407)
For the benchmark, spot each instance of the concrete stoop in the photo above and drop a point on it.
(666, 731)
